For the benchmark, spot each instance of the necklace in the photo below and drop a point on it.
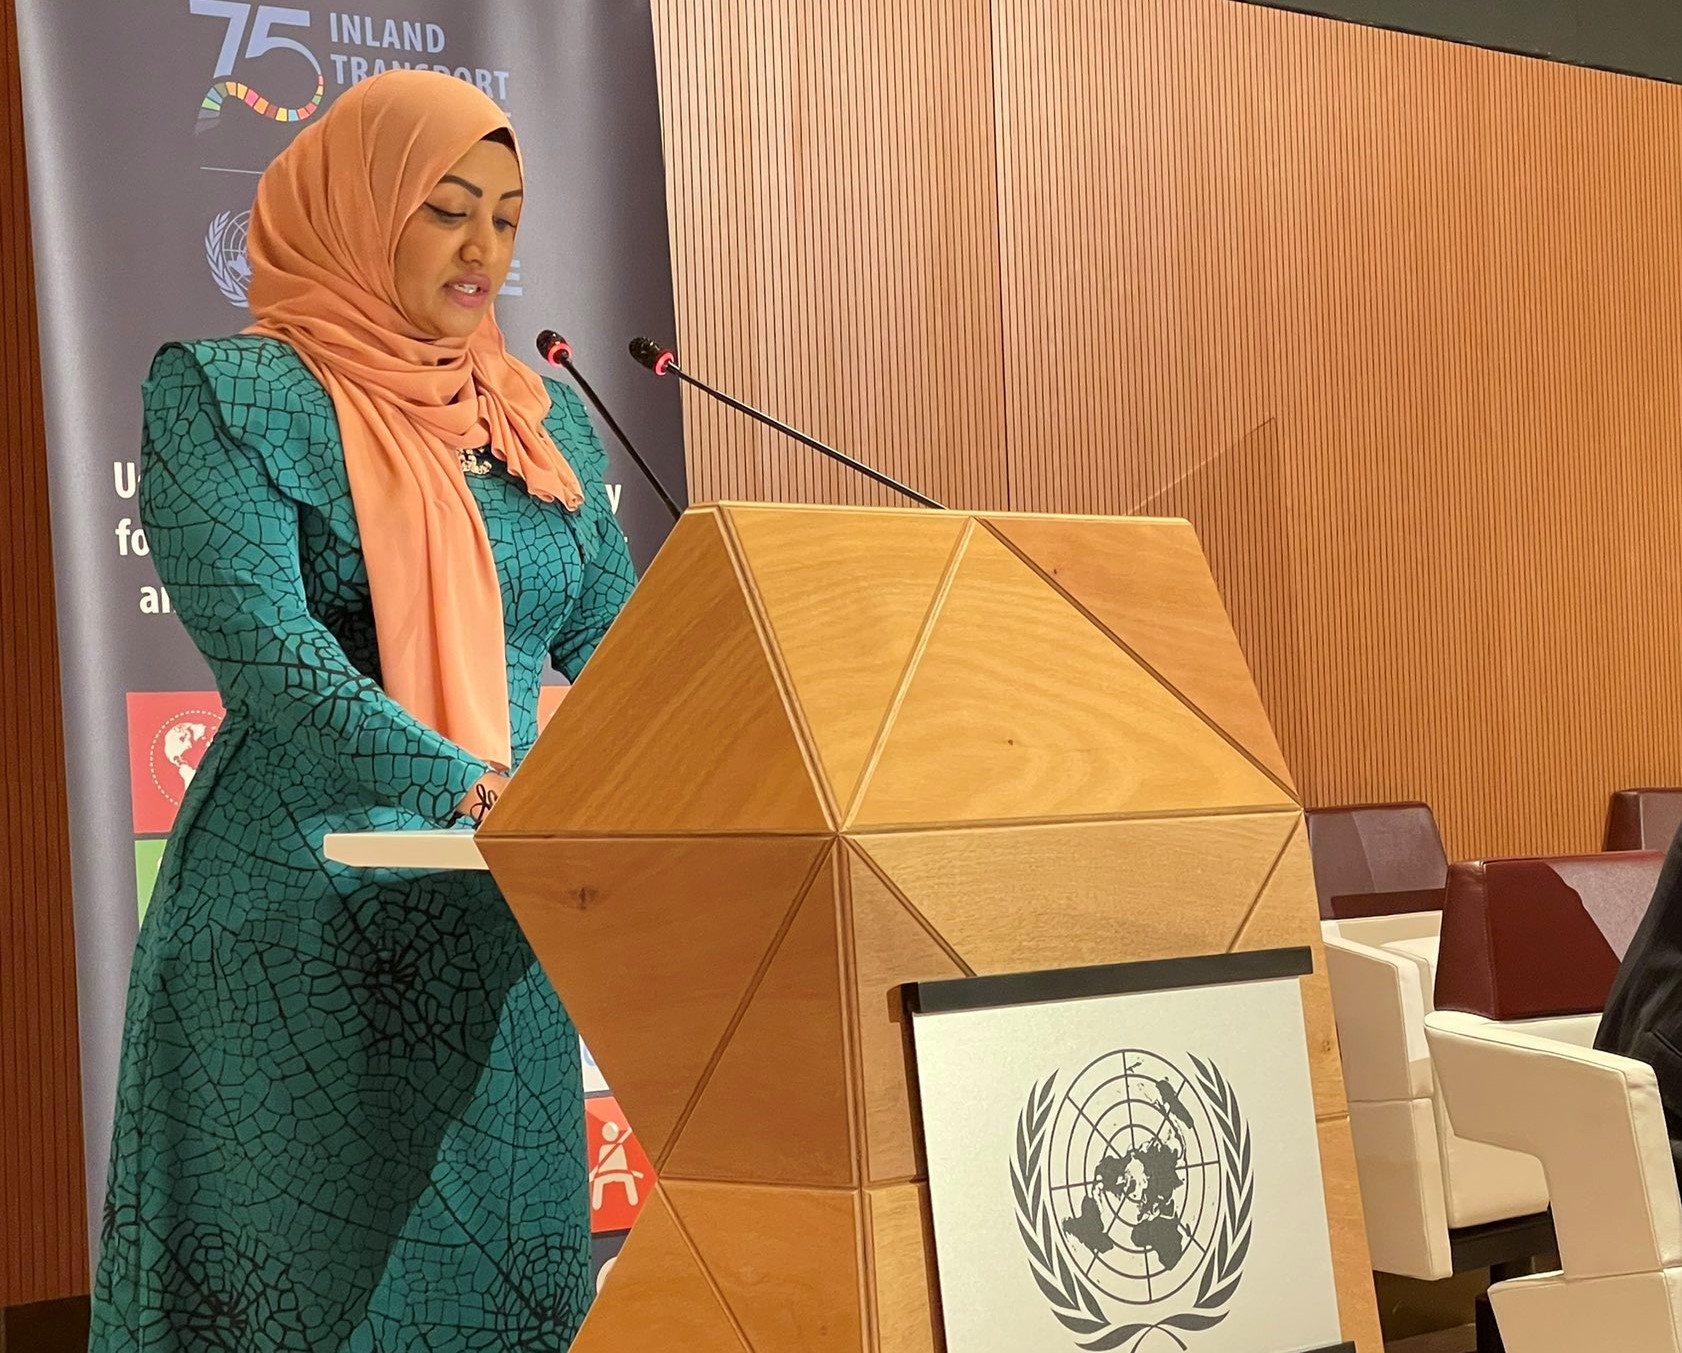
(477, 463)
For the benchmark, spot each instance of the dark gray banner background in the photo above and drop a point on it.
(137, 228)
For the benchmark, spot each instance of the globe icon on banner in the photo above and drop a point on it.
(178, 751)
(224, 250)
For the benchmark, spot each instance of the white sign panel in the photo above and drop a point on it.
(1135, 1172)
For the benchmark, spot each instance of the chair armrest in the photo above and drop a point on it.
(1592, 1118)
(1380, 1010)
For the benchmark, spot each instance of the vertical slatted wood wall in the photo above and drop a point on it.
(43, 1227)
(834, 203)
(1397, 323)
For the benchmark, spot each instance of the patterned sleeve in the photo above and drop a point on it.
(225, 542)
(608, 580)
(609, 574)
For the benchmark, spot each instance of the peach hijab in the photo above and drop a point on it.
(322, 241)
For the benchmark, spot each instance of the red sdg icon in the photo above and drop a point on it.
(169, 733)
(621, 1177)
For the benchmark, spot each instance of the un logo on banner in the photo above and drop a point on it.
(224, 250)
(1134, 1196)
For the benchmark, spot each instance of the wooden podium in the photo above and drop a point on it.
(826, 752)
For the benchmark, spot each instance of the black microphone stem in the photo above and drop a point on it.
(619, 432)
(886, 481)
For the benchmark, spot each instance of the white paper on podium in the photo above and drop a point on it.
(432, 850)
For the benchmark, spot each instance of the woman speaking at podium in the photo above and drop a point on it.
(350, 1112)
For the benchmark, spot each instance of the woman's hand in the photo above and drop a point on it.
(482, 797)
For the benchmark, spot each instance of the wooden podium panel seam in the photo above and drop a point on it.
(866, 509)
(1266, 883)
(706, 1273)
(892, 948)
(1191, 814)
(1284, 913)
(779, 670)
(1131, 652)
(897, 1329)
(778, 1186)
(861, 852)
(844, 600)
(677, 838)
(713, 752)
(742, 1236)
(778, 1106)
(676, 1134)
(1020, 706)
(852, 1041)
(870, 1320)
(873, 757)
(896, 1181)
(826, 509)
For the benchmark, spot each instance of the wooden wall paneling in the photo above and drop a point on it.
(833, 203)
(1395, 322)
(1452, 395)
(1242, 502)
(43, 1227)
(1120, 187)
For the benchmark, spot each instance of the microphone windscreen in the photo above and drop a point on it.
(650, 354)
(553, 348)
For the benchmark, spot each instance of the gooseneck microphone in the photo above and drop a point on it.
(558, 352)
(663, 362)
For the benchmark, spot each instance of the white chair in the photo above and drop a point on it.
(1420, 1181)
(1517, 939)
(1596, 1124)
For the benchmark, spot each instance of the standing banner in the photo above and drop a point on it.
(148, 123)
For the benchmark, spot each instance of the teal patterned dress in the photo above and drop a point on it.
(350, 1111)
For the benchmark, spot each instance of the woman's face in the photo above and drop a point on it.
(454, 252)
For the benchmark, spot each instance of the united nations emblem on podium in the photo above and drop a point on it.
(1134, 1189)
(1125, 1159)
